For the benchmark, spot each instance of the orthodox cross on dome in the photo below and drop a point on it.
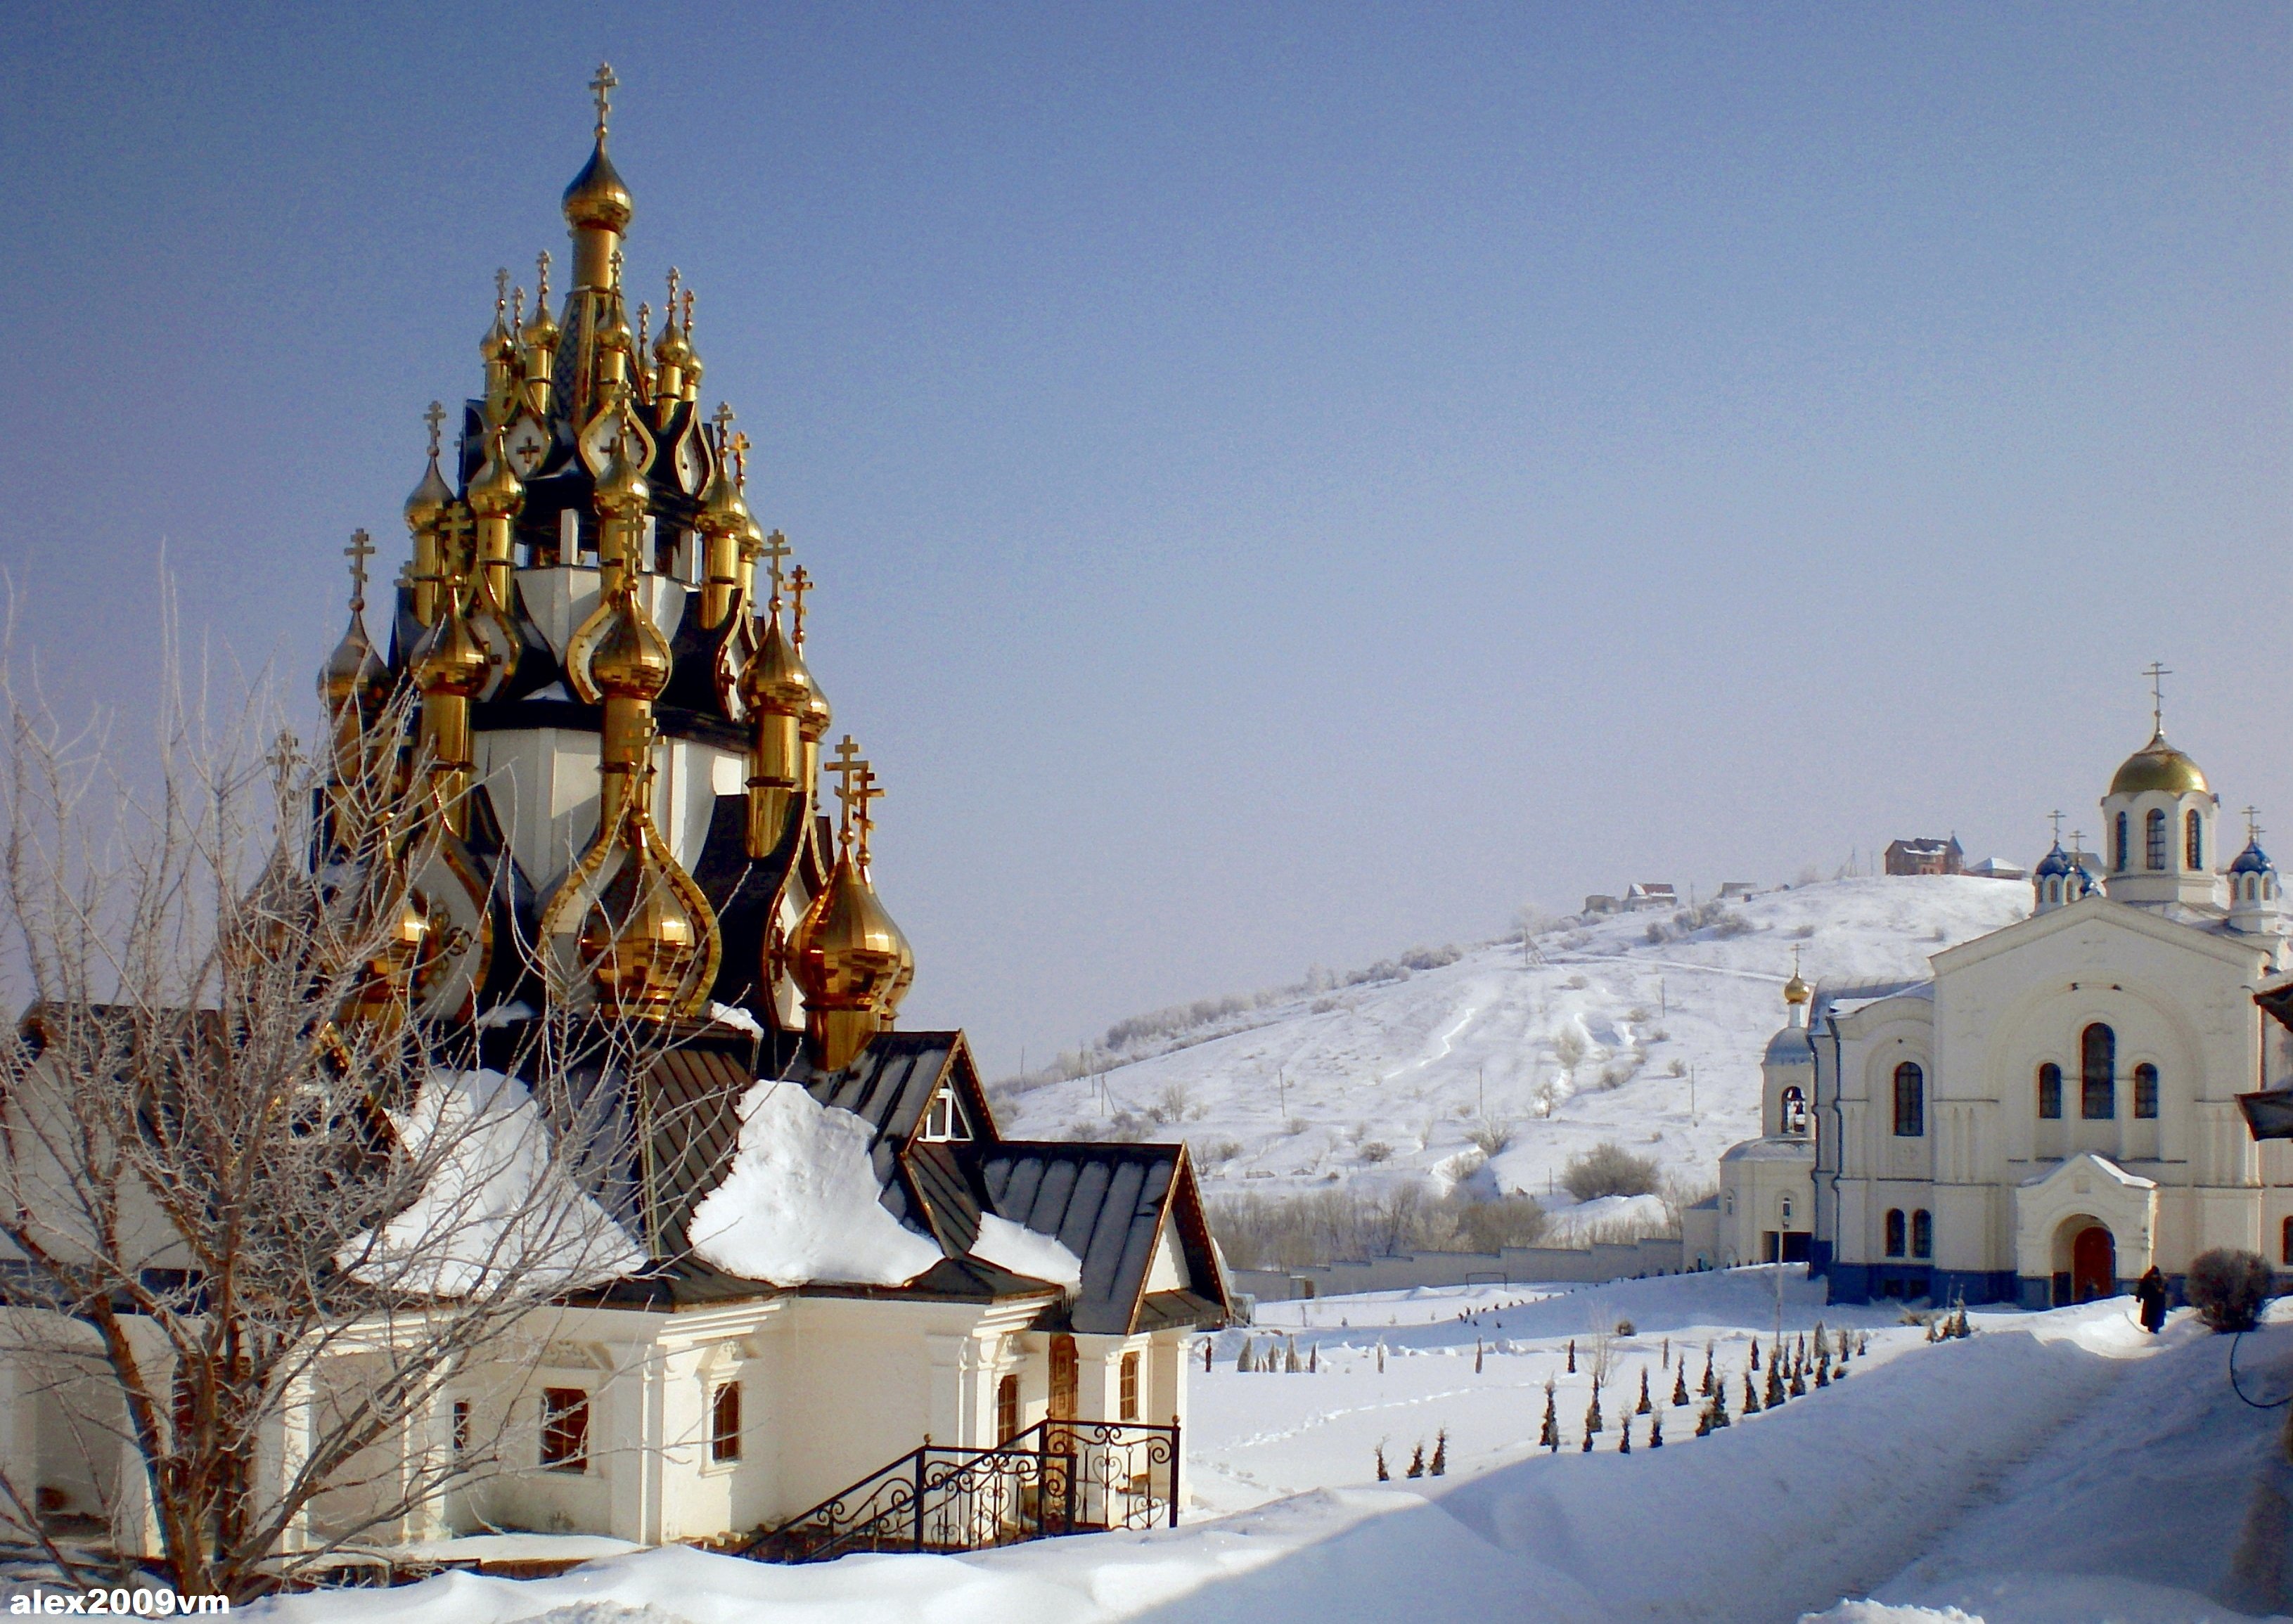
(800, 583)
(361, 548)
(2077, 843)
(436, 417)
(864, 820)
(501, 292)
(283, 757)
(740, 448)
(848, 765)
(617, 272)
(2157, 674)
(723, 420)
(541, 280)
(2252, 829)
(669, 311)
(454, 530)
(602, 87)
(774, 550)
(2055, 818)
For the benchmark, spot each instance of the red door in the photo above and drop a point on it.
(2093, 1264)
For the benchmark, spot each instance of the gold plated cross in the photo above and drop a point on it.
(2157, 674)
(846, 764)
(868, 790)
(361, 548)
(501, 292)
(541, 276)
(603, 88)
(669, 311)
(434, 417)
(800, 583)
(455, 530)
(774, 550)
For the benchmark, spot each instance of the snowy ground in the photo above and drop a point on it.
(1391, 1080)
(2057, 1468)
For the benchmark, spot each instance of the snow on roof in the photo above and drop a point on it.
(1020, 1249)
(498, 1205)
(802, 1202)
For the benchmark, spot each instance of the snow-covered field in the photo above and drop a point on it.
(2054, 1468)
(1378, 1082)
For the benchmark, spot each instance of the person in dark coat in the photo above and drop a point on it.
(2151, 1293)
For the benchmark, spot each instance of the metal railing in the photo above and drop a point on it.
(1056, 1477)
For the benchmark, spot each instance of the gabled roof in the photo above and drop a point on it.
(1108, 1204)
(2200, 934)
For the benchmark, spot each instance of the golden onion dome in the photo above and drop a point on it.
(670, 350)
(630, 659)
(430, 499)
(642, 939)
(813, 719)
(1797, 991)
(724, 509)
(613, 331)
(540, 329)
(622, 492)
(598, 198)
(496, 490)
(845, 952)
(452, 661)
(2159, 766)
(773, 678)
(353, 674)
(500, 344)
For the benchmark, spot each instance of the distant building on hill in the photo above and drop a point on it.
(1996, 868)
(1731, 890)
(1600, 903)
(1651, 893)
(1926, 856)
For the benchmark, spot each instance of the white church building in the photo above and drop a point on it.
(2053, 1109)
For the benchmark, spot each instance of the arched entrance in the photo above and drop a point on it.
(2094, 1264)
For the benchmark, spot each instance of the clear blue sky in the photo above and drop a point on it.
(1286, 483)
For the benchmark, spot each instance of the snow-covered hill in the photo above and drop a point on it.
(1593, 1033)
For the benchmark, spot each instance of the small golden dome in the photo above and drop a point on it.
(2159, 765)
(723, 511)
(641, 940)
(453, 662)
(353, 674)
(773, 679)
(430, 499)
(631, 658)
(597, 199)
(622, 492)
(845, 953)
(1797, 991)
(540, 329)
(497, 491)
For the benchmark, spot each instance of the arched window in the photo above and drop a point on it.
(2125, 850)
(2153, 839)
(2050, 1091)
(2194, 842)
(1910, 1102)
(1795, 1111)
(1007, 1409)
(2098, 1073)
(1894, 1232)
(2054, 891)
(2285, 1249)
(1922, 1233)
(1729, 1201)
(1787, 1210)
(2145, 1090)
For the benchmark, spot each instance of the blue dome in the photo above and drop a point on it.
(2253, 859)
(2054, 863)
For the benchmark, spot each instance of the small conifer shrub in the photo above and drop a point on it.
(1755, 1354)
(1709, 1384)
(1572, 1355)
(1751, 1396)
(1383, 1475)
(1593, 1414)
(1624, 1437)
(1656, 1430)
(1417, 1460)
(1439, 1464)
(1680, 1384)
(1645, 1405)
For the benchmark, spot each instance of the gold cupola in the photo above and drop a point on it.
(670, 356)
(597, 204)
(425, 509)
(536, 342)
(354, 684)
(498, 351)
(649, 940)
(846, 955)
(776, 693)
(725, 524)
(495, 495)
(2159, 766)
(451, 669)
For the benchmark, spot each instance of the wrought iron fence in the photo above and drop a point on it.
(1057, 1477)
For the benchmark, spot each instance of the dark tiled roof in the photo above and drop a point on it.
(1103, 1202)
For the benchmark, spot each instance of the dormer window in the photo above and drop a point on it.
(946, 1121)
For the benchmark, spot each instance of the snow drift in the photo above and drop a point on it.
(801, 1202)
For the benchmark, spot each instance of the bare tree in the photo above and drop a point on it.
(255, 1215)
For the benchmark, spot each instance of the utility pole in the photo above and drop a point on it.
(1691, 1093)
(1481, 1089)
